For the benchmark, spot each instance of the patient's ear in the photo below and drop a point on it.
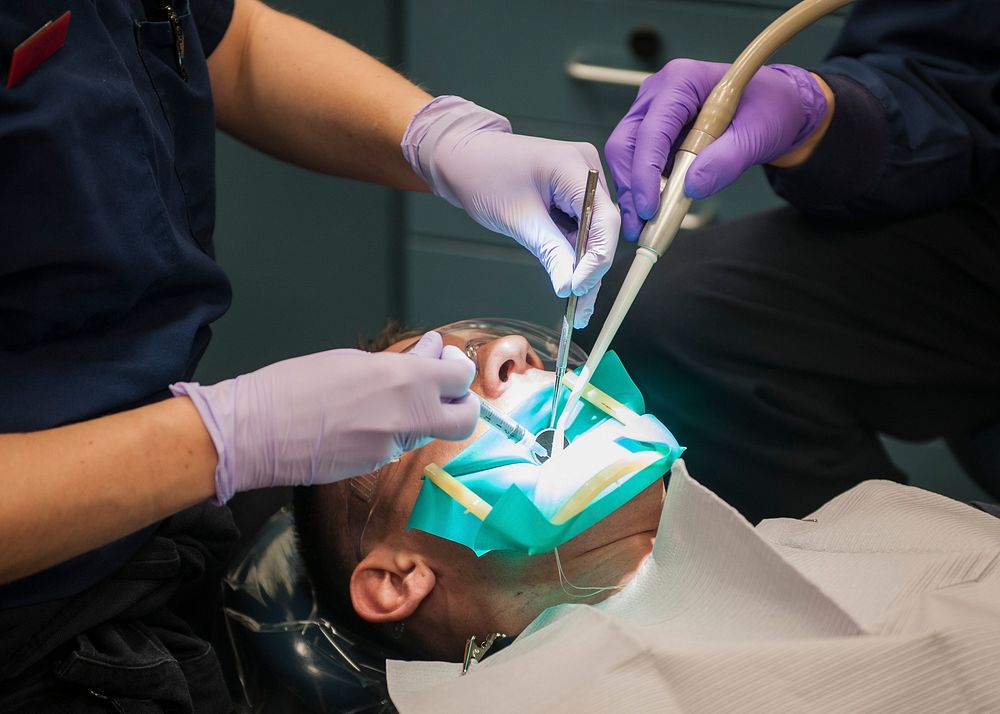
(389, 584)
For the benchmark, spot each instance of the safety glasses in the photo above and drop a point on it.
(542, 341)
(362, 497)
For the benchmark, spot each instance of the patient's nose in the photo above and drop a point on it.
(498, 360)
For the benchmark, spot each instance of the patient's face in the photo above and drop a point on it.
(608, 553)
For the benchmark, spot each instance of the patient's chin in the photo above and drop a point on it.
(630, 529)
(638, 547)
(632, 550)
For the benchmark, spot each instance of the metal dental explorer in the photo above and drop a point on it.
(566, 334)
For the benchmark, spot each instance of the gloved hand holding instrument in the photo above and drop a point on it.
(333, 415)
(785, 106)
(510, 183)
(780, 109)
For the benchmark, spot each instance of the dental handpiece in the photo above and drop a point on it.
(510, 428)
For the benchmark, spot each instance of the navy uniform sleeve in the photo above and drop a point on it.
(212, 18)
(917, 119)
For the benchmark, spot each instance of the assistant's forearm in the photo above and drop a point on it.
(71, 489)
(917, 122)
(807, 148)
(302, 95)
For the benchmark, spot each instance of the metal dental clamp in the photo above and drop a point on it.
(476, 651)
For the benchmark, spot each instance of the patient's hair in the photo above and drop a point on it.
(326, 544)
(327, 540)
(390, 334)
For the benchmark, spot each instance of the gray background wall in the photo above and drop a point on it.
(313, 259)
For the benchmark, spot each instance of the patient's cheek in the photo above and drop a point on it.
(440, 451)
(528, 571)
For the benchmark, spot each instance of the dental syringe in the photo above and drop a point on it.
(511, 429)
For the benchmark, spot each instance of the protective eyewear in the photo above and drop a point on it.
(543, 342)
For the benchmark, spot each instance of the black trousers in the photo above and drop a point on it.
(777, 347)
(120, 646)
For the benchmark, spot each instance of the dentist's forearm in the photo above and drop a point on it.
(69, 490)
(304, 96)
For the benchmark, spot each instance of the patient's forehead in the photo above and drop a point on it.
(403, 344)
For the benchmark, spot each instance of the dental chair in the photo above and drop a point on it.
(978, 452)
(288, 654)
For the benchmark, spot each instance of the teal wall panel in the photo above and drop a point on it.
(453, 280)
(312, 259)
(511, 56)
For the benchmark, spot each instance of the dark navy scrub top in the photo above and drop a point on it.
(107, 202)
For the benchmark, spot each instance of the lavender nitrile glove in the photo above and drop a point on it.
(333, 415)
(781, 107)
(510, 183)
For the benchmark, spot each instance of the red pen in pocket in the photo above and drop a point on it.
(36, 49)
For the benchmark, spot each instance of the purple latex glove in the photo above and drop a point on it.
(781, 107)
(333, 415)
(510, 183)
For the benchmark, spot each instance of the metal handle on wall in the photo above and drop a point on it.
(605, 75)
